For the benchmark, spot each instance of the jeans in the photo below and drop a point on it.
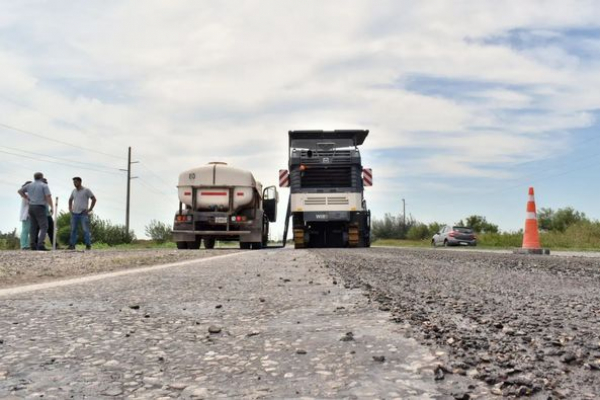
(25, 227)
(76, 220)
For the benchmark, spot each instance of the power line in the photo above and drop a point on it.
(154, 189)
(156, 175)
(58, 162)
(60, 159)
(15, 129)
(532, 177)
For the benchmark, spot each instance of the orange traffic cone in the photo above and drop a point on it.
(531, 237)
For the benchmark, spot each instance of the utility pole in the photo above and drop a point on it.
(403, 214)
(129, 178)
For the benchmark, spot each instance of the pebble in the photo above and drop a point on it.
(214, 329)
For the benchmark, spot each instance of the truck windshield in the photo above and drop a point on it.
(328, 145)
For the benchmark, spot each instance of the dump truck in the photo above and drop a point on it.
(220, 202)
(326, 180)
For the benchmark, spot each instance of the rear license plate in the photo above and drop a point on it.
(464, 243)
(220, 220)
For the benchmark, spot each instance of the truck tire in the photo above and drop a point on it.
(209, 243)
(245, 245)
(256, 245)
(182, 245)
(195, 245)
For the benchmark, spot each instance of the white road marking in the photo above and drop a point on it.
(97, 277)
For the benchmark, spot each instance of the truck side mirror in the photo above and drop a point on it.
(270, 198)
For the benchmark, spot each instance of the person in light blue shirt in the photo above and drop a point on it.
(39, 197)
(25, 223)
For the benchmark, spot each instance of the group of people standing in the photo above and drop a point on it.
(37, 209)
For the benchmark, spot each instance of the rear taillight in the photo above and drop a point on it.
(183, 218)
(239, 218)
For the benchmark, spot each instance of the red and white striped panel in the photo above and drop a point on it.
(284, 178)
(367, 177)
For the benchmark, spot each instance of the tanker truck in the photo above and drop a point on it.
(219, 202)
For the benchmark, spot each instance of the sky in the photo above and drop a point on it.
(468, 103)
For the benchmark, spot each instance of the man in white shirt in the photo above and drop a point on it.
(80, 209)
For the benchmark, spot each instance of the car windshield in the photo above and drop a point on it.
(462, 229)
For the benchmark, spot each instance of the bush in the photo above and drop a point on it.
(479, 224)
(418, 232)
(9, 241)
(561, 219)
(505, 239)
(159, 231)
(101, 231)
(391, 227)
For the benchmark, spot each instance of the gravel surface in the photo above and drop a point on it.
(254, 325)
(524, 325)
(28, 267)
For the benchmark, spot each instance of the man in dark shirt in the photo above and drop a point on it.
(38, 195)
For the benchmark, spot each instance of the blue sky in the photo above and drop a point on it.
(468, 103)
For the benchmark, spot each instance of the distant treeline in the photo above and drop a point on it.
(561, 228)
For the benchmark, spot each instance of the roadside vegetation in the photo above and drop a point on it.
(564, 228)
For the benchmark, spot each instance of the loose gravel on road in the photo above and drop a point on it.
(253, 325)
(524, 325)
(29, 267)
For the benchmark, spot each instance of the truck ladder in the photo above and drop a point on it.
(287, 220)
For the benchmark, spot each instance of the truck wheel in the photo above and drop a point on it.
(195, 245)
(209, 243)
(244, 245)
(256, 246)
(182, 245)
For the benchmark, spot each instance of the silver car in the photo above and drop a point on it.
(454, 236)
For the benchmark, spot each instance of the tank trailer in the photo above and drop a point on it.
(219, 202)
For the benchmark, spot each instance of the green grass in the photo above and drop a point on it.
(402, 243)
(574, 241)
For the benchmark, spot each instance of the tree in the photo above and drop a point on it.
(559, 220)
(434, 228)
(159, 231)
(392, 227)
(418, 231)
(479, 224)
(544, 216)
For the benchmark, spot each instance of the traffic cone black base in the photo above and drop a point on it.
(532, 251)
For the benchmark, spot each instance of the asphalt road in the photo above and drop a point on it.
(524, 325)
(258, 324)
(330, 323)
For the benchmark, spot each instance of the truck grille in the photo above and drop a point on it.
(333, 157)
(337, 201)
(326, 177)
(315, 201)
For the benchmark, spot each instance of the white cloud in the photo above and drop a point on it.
(187, 82)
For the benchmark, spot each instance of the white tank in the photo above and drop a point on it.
(214, 183)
